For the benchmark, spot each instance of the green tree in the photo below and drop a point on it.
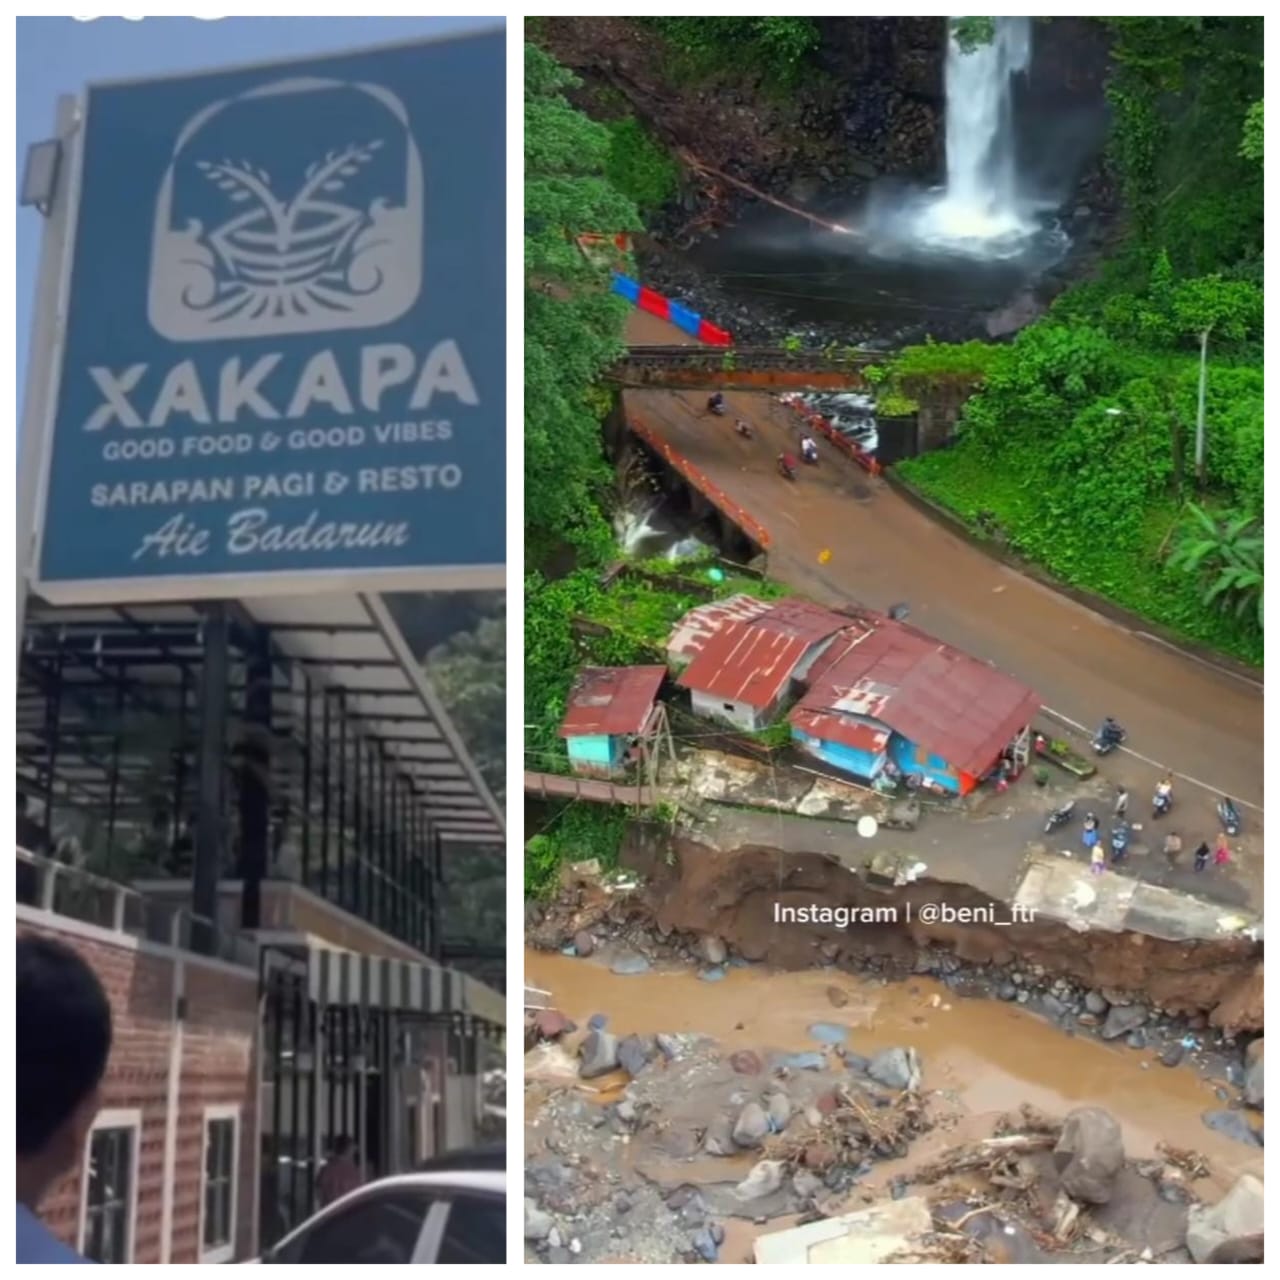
(469, 673)
(1251, 138)
(970, 33)
(1225, 553)
(573, 324)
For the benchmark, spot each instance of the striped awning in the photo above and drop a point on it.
(377, 982)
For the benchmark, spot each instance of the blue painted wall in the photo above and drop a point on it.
(597, 751)
(912, 759)
(862, 764)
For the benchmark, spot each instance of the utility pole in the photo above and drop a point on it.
(1204, 369)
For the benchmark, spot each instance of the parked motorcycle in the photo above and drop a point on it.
(1229, 816)
(1119, 841)
(1109, 736)
(786, 467)
(1060, 816)
(743, 428)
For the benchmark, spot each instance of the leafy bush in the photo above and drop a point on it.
(639, 166)
(778, 48)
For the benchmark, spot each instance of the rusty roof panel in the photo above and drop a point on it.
(745, 663)
(611, 701)
(937, 697)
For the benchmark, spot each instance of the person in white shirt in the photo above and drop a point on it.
(63, 1040)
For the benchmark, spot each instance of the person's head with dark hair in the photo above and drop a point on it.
(342, 1145)
(63, 1041)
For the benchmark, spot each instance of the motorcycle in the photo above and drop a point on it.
(743, 429)
(1119, 842)
(1161, 803)
(1229, 816)
(1060, 816)
(810, 455)
(1108, 738)
(786, 468)
(716, 405)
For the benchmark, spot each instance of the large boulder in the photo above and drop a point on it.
(634, 1053)
(1253, 1075)
(1089, 1154)
(763, 1180)
(1231, 1230)
(537, 1222)
(751, 1126)
(1123, 1019)
(599, 1054)
(896, 1068)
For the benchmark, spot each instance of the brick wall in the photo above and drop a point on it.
(218, 1065)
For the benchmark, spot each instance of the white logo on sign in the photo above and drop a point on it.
(336, 243)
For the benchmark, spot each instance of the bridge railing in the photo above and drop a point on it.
(733, 359)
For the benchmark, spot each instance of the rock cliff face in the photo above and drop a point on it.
(873, 104)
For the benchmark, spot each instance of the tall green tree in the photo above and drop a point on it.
(573, 324)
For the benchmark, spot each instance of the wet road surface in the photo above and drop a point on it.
(1188, 716)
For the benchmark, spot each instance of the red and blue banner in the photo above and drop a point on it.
(672, 312)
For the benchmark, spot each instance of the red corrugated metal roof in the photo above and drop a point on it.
(611, 700)
(802, 619)
(937, 697)
(743, 662)
(690, 635)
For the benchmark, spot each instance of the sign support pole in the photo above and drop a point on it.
(45, 324)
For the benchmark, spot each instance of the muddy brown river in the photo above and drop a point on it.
(990, 1056)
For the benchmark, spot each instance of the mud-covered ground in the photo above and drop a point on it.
(779, 1098)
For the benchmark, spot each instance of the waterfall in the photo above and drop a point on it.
(982, 210)
(981, 199)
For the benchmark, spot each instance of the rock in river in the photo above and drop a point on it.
(629, 962)
(1253, 1075)
(1122, 1019)
(896, 1068)
(713, 950)
(1233, 1125)
(1089, 1154)
(599, 1054)
(1231, 1230)
(633, 1055)
(763, 1180)
(537, 1222)
(752, 1125)
(828, 1032)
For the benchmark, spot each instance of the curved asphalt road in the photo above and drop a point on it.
(1188, 716)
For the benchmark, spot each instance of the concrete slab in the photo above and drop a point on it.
(867, 1235)
(1175, 917)
(1063, 889)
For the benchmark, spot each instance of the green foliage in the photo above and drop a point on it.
(577, 833)
(777, 48)
(639, 166)
(573, 324)
(1186, 137)
(1224, 552)
(1251, 137)
(469, 673)
(970, 33)
(942, 364)
(1074, 432)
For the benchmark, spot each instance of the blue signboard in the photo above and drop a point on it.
(284, 348)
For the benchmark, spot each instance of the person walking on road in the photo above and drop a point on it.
(1097, 857)
(1221, 851)
(1202, 855)
(1090, 833)
(63, 1040)
(1172, 848)
(1121, 811)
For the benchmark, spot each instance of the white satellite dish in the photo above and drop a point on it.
(867, 826)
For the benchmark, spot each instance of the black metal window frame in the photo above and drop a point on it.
(354, 819)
